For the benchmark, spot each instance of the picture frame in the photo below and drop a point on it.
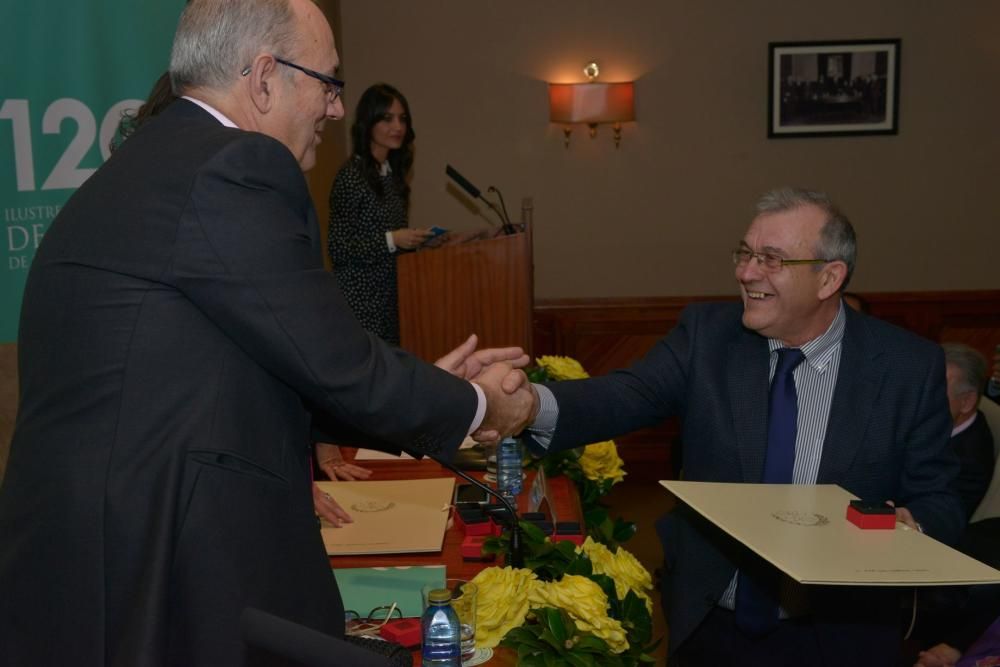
(822, 89)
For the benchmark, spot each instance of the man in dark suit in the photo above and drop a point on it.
(177, 337)
(870, 414)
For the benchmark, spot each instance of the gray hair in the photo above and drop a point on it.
(217, 39)
(971, 366)
(836, 239)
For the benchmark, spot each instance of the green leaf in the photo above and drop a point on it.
(581, 566)
(537, 374)
(566, 550)
(531, 661)
(595, 516)
(551, 640)
(592, 644)
(532, 533)
(622, 531)
(532, 644)
(557, 625)
(580, 660)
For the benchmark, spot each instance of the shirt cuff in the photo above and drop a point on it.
(544, 426)
(480, 408)
(389, 242)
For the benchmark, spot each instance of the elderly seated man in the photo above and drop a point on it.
(970, 437)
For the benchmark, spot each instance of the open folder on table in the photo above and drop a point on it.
(803, 531)
(390, 517)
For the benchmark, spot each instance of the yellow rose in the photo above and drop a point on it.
(600, 461)
(502, 602)
(624, 568)
(586, 603)
(562, 368)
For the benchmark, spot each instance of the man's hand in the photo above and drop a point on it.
(941, 655)
(328, 508)
(511, 402)
(332, 462)
(904, 517)
(468, 363)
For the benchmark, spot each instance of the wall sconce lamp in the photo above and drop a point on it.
(592, 103)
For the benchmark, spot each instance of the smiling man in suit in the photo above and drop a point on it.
(177, 337)
(787, 387)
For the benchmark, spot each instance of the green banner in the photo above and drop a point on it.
(69, 69)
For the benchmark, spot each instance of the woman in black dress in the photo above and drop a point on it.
(368, 210)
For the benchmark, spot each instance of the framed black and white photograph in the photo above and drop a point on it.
(833, 88)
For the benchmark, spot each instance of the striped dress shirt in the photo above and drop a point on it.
(815, 381)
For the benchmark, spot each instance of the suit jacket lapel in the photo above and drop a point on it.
(858, 380)
(748, 388)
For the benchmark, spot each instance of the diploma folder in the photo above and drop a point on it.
(390, 517)
(803, 531)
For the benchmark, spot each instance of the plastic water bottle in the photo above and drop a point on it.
(509, 469)
(440, 631)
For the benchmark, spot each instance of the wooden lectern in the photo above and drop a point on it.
(483, 287)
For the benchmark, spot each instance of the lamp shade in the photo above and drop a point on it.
(591, 102)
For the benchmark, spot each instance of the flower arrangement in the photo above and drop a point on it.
(561, 368)
(586, 605)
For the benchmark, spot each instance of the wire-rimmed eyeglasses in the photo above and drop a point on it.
(373, 622)
(770, 261)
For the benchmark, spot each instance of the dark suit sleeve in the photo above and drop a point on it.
(247, 256)
(642, 395)
(929, 465)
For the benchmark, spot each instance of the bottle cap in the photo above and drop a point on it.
(439, 596)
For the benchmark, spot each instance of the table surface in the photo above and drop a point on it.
(562, 493)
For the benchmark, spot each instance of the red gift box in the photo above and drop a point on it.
(479, 528)
(877, 520)
(472, 548)
(403, 631)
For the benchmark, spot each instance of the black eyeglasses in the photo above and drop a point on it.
(770, 261)
(333, 87)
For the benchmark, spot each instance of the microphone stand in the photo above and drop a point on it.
(508, 227)
(516, 549)
(474, 192)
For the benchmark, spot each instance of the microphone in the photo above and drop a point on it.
(516, 549)
(475, 193)
(283, 638)
(463, 183)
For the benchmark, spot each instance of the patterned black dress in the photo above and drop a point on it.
(361, 260)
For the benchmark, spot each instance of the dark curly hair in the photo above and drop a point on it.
(372, 107)
(160, 97)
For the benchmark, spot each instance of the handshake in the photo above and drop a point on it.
(511, 401)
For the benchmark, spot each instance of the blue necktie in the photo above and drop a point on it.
(757, 595)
